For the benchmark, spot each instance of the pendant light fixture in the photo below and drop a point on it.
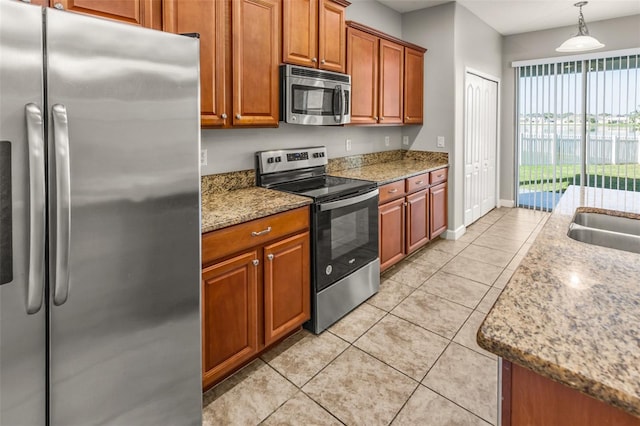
(582, 41)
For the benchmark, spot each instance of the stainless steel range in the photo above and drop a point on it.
(344, 229)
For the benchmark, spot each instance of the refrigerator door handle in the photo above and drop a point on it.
(62, 205)
(37, 208)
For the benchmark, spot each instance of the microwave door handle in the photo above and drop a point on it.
(332, 205)
(342, 103)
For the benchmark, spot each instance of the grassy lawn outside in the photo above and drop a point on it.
(615, 176)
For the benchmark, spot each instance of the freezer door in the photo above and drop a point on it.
(22, 203)
(125, 224)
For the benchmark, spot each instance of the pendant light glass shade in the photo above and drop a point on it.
(582, 41)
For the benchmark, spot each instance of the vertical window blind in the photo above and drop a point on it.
(578, 122)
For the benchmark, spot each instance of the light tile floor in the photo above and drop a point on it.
(408, 356)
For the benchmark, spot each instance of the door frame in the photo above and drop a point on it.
(497, 80)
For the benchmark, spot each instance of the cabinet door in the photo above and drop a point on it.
(332, 40)
(413, 86)
(286, 286)
(362, 65)
(300, 32)
(229, 315)
(438, 200)
(391, 82)
(417, 220)
(206, 18)
(146, 13)
(256, 58)
(392, 230)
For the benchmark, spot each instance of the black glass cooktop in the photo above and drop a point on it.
(326, 187)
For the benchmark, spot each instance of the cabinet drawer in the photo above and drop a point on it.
(226, 241)
(391, 191)
(438, 176)
(417, 183)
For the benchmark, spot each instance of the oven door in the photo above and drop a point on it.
(317, 102)
(346, 237)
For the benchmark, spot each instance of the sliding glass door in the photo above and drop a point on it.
(577, 121)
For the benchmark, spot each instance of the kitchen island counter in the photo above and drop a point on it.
(225, 208)
(571, 311)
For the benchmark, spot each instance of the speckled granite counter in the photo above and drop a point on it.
(226, 208)
(571, 311)
(410, 164)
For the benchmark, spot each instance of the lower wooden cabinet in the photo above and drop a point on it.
(411, 213)
(531, 399)
(253, 295)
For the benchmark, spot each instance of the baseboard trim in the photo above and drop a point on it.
(450, 234)
(506, 203)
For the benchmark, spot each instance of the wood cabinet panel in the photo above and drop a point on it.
(146, 13)
(417, 220)
(332, 38)
(438, 176)
(438, 209)
(413, 86)
(227, 241)
(536, 400)
(300, 32)
(229, 315)
(416, 183)
(206, 18)
(391, 82)
(392, 232)
(362, 65)
(391, 191)
(286, 286)
(256, 58)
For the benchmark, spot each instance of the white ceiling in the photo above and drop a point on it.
(520, 16)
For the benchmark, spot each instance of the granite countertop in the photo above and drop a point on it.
(392, 171)
(571, 311)
(226, 208)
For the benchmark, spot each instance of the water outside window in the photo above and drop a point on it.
(577, 121)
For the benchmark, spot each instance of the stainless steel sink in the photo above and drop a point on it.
(605, 230)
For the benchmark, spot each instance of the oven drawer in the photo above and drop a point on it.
(417, 183)
(438, 176)
(227, 241)
(391, 191)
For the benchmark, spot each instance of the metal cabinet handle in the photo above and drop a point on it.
(263, 232)
(37, 220)
(58, 6)
(420, 182)
(224, 115)
(375, 118)
(62, 204)
(270, 256)
(238, 116)
(381, 118)
(407, 117)
(314, 60)
(393, 191)
(323, 61)
(255, 262)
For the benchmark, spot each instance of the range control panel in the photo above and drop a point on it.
(291, 159)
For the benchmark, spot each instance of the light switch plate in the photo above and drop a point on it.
(203, 157)
(405, 140)
(440, 141)
(386, 141)
(347, 145)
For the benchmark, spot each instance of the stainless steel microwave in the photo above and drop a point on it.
(314, 97)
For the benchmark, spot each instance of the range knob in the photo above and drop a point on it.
(316, 155)
(270, 160)
(278, 159)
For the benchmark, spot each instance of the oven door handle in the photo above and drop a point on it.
(332, 205)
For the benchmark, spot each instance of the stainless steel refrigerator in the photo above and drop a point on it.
(99, 222)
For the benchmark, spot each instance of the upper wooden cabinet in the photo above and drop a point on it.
(146, 13)
(313, 33)
(386, 77)
(413, 86)
(239, 58)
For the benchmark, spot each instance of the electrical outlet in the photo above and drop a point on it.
(440, 141)
(386, 141)
(405, 140)
(203, 157)
(347, 145)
